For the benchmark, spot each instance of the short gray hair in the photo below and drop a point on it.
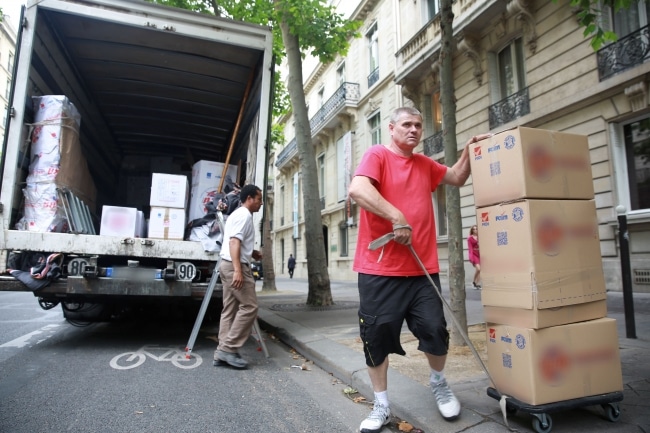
(404, 110)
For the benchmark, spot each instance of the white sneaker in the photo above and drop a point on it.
(379, 417)
(448, 404)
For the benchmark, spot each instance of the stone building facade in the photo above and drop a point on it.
(516, 63)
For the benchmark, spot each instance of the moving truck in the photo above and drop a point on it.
(145, 90)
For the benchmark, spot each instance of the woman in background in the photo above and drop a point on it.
(474, 255)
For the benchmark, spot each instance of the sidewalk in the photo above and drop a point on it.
(314, 334)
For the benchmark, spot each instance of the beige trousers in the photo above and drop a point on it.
(239, 309)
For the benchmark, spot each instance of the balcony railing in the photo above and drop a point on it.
(509, 109)
(427, 36)
(287, 153)
(346, 93)
(626, 53)
(433, 145)
(373, 77)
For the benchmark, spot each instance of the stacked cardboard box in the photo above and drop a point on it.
(168, 201)
(543, 290)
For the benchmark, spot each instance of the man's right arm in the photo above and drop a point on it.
(363, 192)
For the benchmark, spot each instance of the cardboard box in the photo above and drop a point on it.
(538, 254)
(531, 163)
(118, 221)
(166, 223)
(536, 319)
(169, 190)
(557, 363)
(206, 176)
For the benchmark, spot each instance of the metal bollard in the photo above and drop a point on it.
(626, 272)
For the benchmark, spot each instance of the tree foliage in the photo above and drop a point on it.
(588, 15)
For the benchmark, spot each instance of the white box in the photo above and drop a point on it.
(206, 176)
(166, 223)
(169, 190)
(118, 221)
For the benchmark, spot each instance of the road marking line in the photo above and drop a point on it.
(26, 339)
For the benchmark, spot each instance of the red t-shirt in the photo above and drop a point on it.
(406, 183)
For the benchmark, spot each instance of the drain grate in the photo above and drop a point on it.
(292, 308)
(641, 276)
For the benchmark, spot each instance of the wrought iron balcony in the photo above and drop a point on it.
(347, 94)
(373, 77)
(509, 109)
(434, 145)
(287, 153)
(626, 53)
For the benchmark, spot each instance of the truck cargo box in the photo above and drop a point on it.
(157, 89)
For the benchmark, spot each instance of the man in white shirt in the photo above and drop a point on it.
(239, 298)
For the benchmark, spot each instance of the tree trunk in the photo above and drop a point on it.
(268, 282)
(456, 272)
(320, 293)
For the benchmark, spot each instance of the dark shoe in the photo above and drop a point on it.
(232, 359)
(476, 286)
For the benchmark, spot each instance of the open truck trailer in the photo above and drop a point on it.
(157, 89)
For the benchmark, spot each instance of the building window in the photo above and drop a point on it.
(629, 20)
(510, 62)
(343, 239)
(282, 205)
(508, 89)
(340, 75)
(436, 111)
(433, 9)
(373, 55)
(632, 165)
(321, 180)
(10, 64)
(440, 210)
(343, 166)
(321, 97)
(375, 129)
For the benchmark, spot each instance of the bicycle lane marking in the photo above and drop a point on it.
(30, 339)
(133, 359)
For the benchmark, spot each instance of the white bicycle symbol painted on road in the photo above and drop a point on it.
(128, 360)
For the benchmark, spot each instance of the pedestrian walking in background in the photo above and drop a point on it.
(291, 265)
(393, 187)
(474, 255)
(239, 298)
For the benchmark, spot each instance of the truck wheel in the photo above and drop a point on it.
(82, 314)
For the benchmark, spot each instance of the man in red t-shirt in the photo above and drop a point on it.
(394, 186)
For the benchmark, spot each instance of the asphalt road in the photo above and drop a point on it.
(132, 377)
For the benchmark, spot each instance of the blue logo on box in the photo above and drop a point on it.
(494, 148)
(520, 341)
(510, 142)
(517, 214)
